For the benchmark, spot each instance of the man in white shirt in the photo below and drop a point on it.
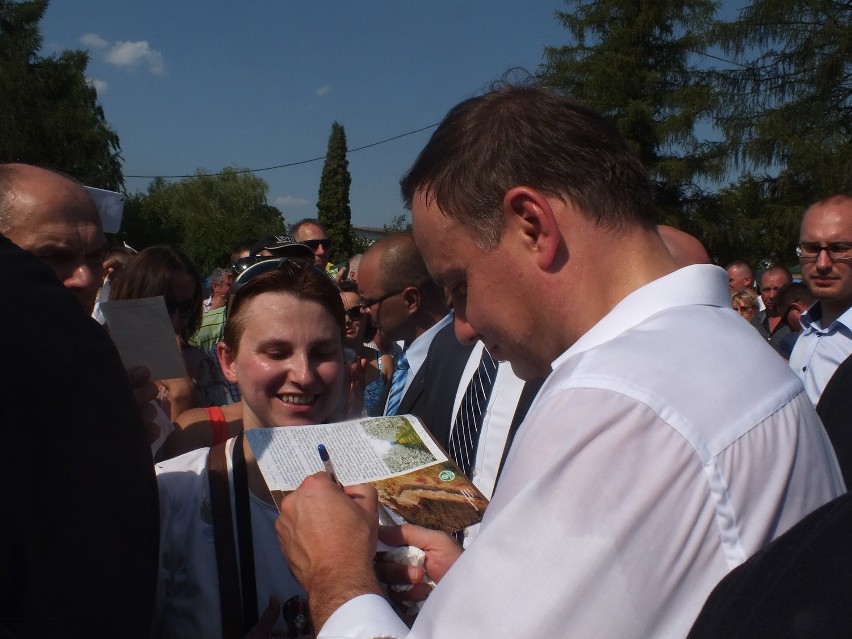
(825, 253)
(639, 478)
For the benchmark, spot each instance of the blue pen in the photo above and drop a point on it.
(326, 462)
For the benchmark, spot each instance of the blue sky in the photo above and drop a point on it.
(191, 84)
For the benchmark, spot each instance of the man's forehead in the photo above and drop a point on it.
(832, 217)
(311, 231)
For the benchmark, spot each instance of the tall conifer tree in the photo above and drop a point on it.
(333, 201)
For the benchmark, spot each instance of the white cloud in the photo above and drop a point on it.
(99, 85)
(132, 54)
(323, 90)
(94, 40)
(290, 201)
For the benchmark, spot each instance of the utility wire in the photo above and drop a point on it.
(282, 166)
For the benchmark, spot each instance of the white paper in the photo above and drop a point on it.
(110, 205)
(144, 335)
(288, 454)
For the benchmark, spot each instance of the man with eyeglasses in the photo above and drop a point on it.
(825, 253)
(408, 308)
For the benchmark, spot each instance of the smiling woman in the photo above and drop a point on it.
(283, 346)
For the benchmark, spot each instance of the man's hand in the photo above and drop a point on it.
(441, 550)
(329, 539)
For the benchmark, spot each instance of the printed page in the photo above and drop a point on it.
(363, 450)
(411, 473)
(144, 336)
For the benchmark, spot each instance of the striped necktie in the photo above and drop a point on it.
(400, 374)
(465, 435)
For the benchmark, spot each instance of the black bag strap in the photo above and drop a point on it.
(230, 601)
(245, 541)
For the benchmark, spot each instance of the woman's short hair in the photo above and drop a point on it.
(745, 296)
(150, 272)
(300, 279)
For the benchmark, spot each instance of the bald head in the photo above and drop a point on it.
(54, 218)
(686, 249)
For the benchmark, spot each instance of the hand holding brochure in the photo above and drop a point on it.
(397, 455)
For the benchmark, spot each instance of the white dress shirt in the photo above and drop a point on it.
(819, 351)
(639, 478)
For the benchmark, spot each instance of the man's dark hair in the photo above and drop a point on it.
(528, 136)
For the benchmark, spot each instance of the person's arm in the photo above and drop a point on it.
(329, 538)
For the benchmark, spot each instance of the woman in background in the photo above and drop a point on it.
(168, 271)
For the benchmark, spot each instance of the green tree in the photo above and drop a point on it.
(49, 113)
(333, 201)
(205, 214)
(634, 62)
(786, 103)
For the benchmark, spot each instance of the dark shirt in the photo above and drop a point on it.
(78, 542)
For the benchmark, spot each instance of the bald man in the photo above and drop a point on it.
(53, 217)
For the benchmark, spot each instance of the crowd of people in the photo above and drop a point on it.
(656, 466)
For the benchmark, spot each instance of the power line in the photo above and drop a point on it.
(282, 166)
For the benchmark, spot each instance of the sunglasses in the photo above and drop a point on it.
(315, 244)
(354, 313)
(245, 262)
(184, 308)
(291, 266)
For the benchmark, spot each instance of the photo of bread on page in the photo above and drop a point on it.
(412, 474)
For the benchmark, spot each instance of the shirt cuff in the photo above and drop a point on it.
(364, 617)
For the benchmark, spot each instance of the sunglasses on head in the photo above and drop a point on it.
(315, 244)
(264, 264)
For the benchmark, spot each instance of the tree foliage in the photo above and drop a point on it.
(333, 202)
(207, 215)
(634, 62)
(49, 113)
(786, 107)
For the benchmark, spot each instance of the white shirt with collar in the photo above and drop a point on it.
(819, 351)
(417, 351)
(637, 481)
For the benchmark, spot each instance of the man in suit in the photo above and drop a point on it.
(407, 307)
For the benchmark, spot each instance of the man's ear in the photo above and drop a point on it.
(530, 217)
(227, 360)
(411, 296)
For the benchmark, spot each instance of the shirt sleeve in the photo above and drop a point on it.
(365, 617)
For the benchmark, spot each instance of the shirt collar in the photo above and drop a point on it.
(811, 319)
(698, 284)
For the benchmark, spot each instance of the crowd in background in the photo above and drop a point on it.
(619, 466)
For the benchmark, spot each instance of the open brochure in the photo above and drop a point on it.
(397, 455)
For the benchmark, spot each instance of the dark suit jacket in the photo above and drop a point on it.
(798, 587)
(433, 389)
(78, 542)
(835, 411)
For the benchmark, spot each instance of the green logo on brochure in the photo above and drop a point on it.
(447, 475)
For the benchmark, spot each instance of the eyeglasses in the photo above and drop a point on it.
(744, 309)
(837, 251)
(291, 265)
(365, 303)
(354, 313)
(315, 244)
